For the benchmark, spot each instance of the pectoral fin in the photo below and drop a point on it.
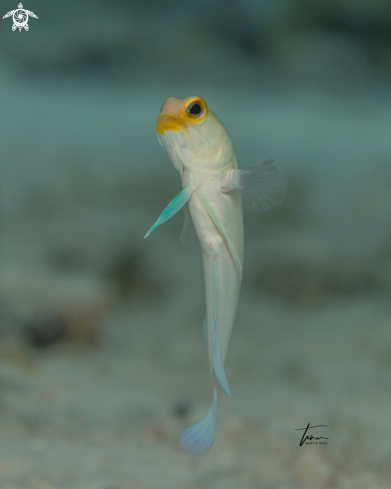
(217, 222)
(262, 186)
(173, 207)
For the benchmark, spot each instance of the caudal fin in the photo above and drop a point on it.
(199, 437)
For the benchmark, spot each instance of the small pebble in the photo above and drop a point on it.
(181, 409)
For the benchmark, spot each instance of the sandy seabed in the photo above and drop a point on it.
(102, 363)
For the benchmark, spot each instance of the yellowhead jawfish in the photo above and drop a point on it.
(202, 151)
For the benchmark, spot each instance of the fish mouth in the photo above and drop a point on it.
(168, 122)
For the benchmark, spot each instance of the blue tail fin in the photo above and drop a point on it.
(199, 437)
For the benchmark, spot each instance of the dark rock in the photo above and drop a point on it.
(129, 274)
(44, 332)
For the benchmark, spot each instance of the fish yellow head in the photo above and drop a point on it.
(193, 136)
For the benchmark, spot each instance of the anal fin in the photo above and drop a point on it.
(216, 356)
(205, 327)
(219, 369)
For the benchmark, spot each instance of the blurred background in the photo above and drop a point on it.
(102, 361)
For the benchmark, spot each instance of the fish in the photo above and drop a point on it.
(214, 189)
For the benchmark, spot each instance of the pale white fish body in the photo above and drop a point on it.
(202, 152)
(215, 250)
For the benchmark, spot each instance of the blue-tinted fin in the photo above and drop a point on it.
(217, 222)
(219, 369)
(173, 207)
(217, 361)
(206, 341)
(188, 231)
(199, 437)
(262, 186)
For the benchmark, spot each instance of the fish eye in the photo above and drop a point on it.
(196, 109)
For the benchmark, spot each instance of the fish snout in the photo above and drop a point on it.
(167, 122)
